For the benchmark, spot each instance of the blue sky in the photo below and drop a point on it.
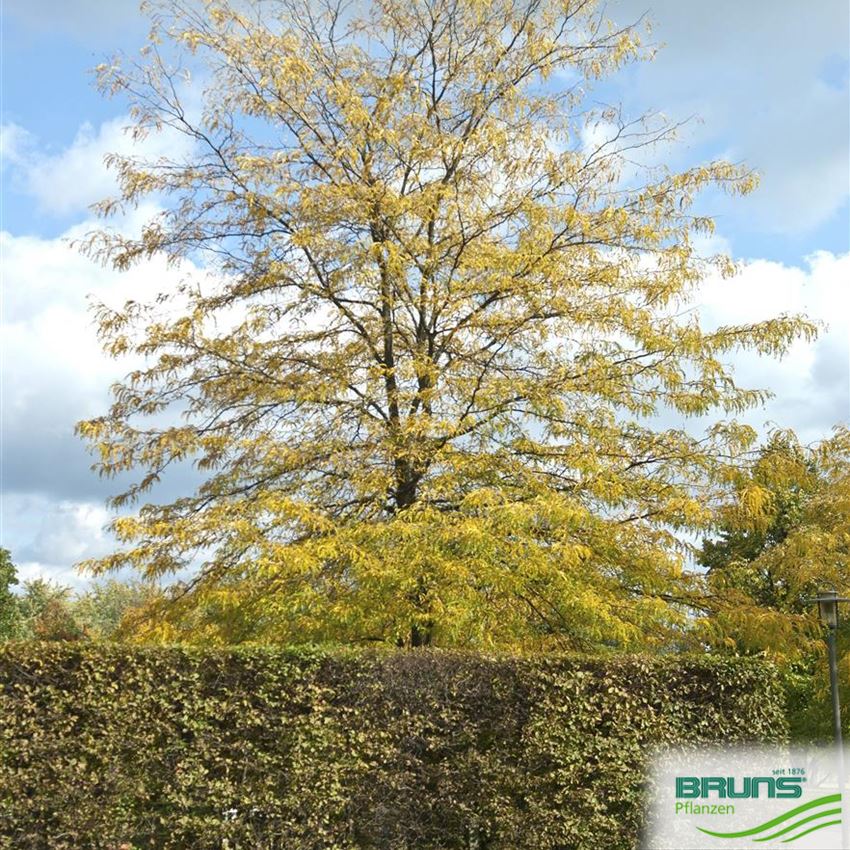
(766, 82)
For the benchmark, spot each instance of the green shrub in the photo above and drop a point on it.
(117, 747)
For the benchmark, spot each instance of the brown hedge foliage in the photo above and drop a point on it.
(116, 747)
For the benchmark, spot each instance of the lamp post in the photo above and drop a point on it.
(827, 601)
(828, 610)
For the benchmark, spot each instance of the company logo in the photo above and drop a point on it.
(747, 798)
(738, 788)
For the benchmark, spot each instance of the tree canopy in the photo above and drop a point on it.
(8, 604)
(44, 609)
(784, 535)
(440, 305)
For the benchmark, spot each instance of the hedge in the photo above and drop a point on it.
(118, 747)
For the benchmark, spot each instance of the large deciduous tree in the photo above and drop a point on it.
(441, 303)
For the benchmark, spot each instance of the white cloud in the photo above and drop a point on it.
(53, 370)
(73, 179)
(14, 144)
(47, 536)
(812, 383)
(53, 373)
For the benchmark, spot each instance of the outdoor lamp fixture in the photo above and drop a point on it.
(827, 601)
(828, 607)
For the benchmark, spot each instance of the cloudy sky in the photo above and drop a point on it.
(763, 81)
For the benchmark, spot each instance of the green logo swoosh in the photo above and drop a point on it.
(798, 810)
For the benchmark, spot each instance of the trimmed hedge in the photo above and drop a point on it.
(119, 747)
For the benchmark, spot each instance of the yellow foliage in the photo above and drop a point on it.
(434, 323)
(785, 536)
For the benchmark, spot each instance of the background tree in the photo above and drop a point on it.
(784, 536)
(46, 612)
(8, 602)
(441, 301)
(107, 610)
